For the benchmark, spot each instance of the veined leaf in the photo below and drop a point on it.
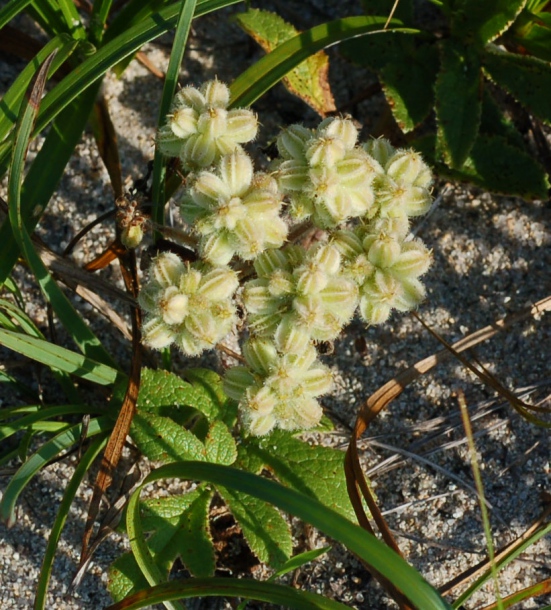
(476, 22)
(317, 472)
(526, 78)
(494, 123)
(309, 79)
(269, 70)
(167, 394)
(178, 528)
(534, 34)
(220, 446)
(265, 530)
(163, 440)
(458, 101)
(358, 541)
(494, 165)
(408, 83)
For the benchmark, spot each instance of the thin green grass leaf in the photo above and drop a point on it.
(13, 8)
(33, 419)
(280, 596)
(82, 468)
(59, 357)
(45, 173)
(85, 339)
(269, 70)
(11, 100)
(142, 554)
(357, 540)
(47, 14)
(480, 493)
(171, 81)
(38, 460)
(294, 563)
(500, 564)
(95, 66)
(98, 19)
(72, 19)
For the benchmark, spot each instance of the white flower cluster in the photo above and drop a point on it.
(298, 295)
(189, 306)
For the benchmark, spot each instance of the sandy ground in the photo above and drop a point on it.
(491, 259)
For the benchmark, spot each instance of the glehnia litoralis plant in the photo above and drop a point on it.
(248, 226)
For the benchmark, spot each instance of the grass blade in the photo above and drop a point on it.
(62, 512)
(171, 81)
(480, 493)
(38, 460)
(269, 70)
(59, 357)
(42, 415)
(11, 10)
(72, 19)
(358, 541)
(280, 596)
(78, 329)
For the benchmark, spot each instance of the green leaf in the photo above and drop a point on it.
(265, 530)
(269, 70)
(526, 78)
(408, 83)
(534, 34)
(317, 472)
(38, 460)
(494, 123)
(13, 8)
(214, 403)
(58, 357)
(219, 445)
(163, 440)
(476, 22)
(179, 528)
(458, 101)
(368, 548)
(183, 27)
(69, 494)
(278, 596)
(494, 165)
(125, 577)
(44, 414)
(80, 332)
(309, 79)
(167, 394)
(44, 174)
(95, 66)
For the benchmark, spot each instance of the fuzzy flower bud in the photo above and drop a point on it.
(279, 388)
(325, 174)
(234, 210)
(200, 128)
(403, 187)
(307, 292)
(190, 307)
